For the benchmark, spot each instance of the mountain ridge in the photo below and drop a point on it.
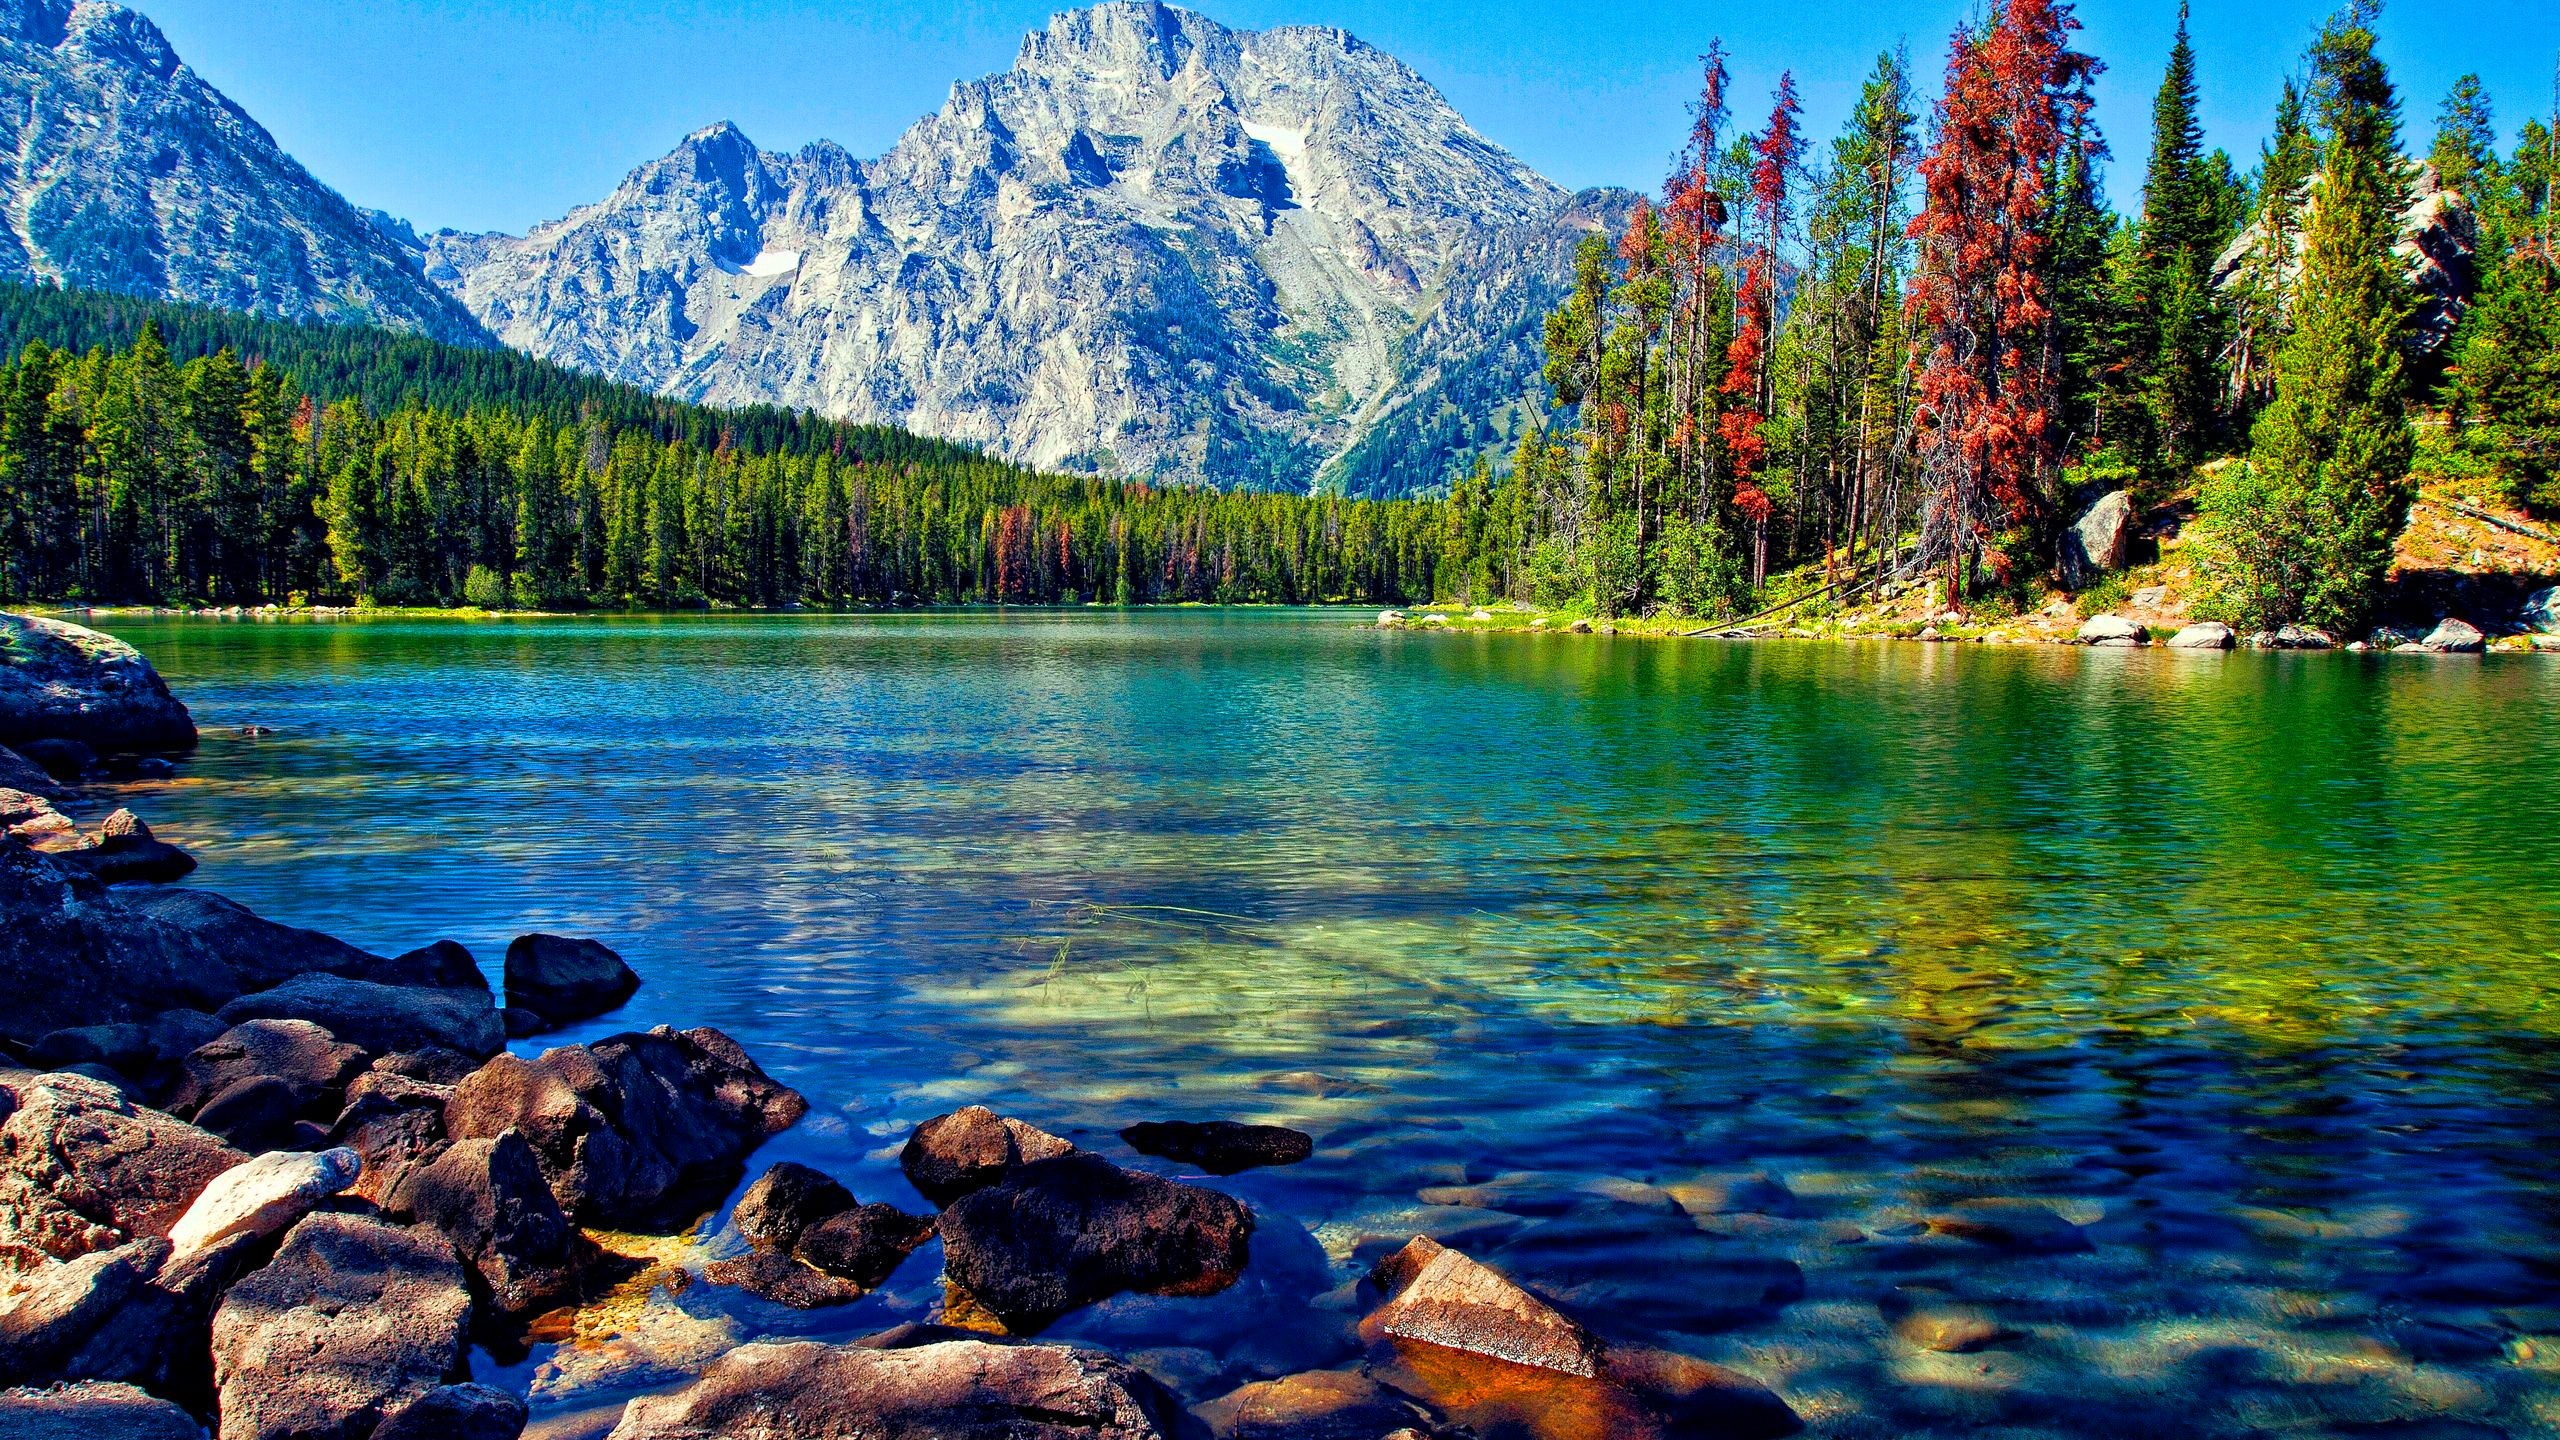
(1155, 245)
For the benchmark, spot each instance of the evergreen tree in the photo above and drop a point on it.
(2306, 532)
(2262, 302)
(2171, 308)
(2465, 153)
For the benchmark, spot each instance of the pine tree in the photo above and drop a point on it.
(2262, 303)
(2170, 305)
(1987, 401)
(2307, 532)
(2465, 153)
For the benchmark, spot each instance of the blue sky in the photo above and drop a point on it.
(495, 114)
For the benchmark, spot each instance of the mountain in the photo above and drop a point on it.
(1155, 246)
(122, 170)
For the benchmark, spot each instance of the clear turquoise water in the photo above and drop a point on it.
(2246, 964)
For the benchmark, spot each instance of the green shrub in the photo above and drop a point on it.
(483, 588)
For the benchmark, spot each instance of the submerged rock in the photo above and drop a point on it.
(970, 1149)
(814, 1243)
(60, 681)
(83, 1168)
(1220, 1147)
(1443, 1297)
(353, 1321)
(2010, 1225)
(564, 980)
(93, 1412)
(640, 1129)
(380, 1018)
(949, 1390)
(1060, 1233)
(1318, 1405)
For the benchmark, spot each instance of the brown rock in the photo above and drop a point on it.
(93, 1412)
(490, 1199)
(637, 1129)
(863, 1244)
(564, 980)
(353, 1321)
(1442, 1297)
(786, 1200)
(313, 1065)
(83, 1168)
(783, 1280)
(380, 1018)
(954, 1390)
(1316, 1405)
(1061, 1233)
(1219, 1147)
(969, 1149)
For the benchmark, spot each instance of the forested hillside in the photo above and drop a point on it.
(1929, 348)
(155, 452)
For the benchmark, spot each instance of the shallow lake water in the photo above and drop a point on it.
(2192, 1015)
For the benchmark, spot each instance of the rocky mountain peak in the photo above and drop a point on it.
(1154, 245)
(120, 169)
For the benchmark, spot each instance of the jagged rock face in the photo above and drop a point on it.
(1155, 246)
(2438, 235)
(123, 170)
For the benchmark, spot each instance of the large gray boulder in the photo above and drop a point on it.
(60, 681)
(93, 1412)
(970, 1149)
(1058, 1234)
(2112, 630)
(2100, 540)
(2455, 637)
(2204, 635)
(949, 1390)
(564, 980)
(83, 1168)
(353, 1321)
(639, 1129)
(381, 1018)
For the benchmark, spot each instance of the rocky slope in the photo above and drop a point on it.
(1155, 246)
(121, 169)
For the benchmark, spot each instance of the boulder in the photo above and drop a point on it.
(75, 953)
(67, 761)
(2112, 630)
(949, 1390)
(443, 965)
(2100, 540)
(260, 1197)
(1056, 1234)
(17, 772)
(2438, 238)
(176, 1034)
(456, 1412)
(786, 1200)
(490, 1199)
(93, 1412)
(864, 1244)
(127, 853)
(125, 1047)
(2455, 637)
(969, 1149)
(636, 1129)
(311, 1064)
(2296, 637)
(1220, 1147)
(2204, 635)
(131, 1315)
(257, 1114)
(392, 1123)
(55, 1309)
(68, 682)
(2541, 615)
(1443, 1297)
(564, 980)
(1317, 1405)
(380, 1018)
(352, 1322)
(18, 806)
(427, 1066)
(82, 1168)
(778, 1277)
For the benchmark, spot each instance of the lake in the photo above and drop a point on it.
(2190, 1014)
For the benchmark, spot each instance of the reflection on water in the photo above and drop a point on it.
(1721, 990)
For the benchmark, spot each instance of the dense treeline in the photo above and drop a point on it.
(351, 465)
(1926, 352)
